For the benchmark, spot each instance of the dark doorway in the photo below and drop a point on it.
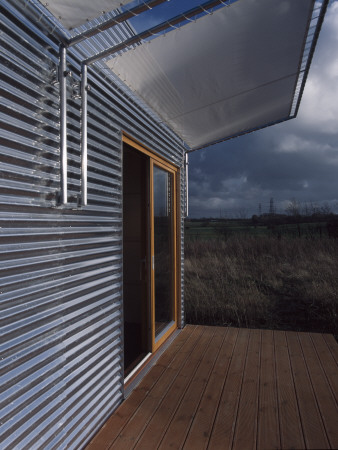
(136, 290)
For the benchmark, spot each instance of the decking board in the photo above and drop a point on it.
(128, 437)
(332, 344)
(246, 423)
(289, 416)
(268, 435)
(313, 429)
(328, 362)
(326, 402)
(222, 388)
(201, 429)
(185, 413)
(120, 418)
(166, 409)
(222, 433)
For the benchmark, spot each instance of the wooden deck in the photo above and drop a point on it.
(221, 388)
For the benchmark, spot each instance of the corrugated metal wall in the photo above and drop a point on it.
(61, 369)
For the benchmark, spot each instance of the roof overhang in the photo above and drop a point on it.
(232, 71)
(229, 72)
(74, 13)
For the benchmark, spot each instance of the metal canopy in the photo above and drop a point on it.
(73, 13)
(227, 73)
(239, 68)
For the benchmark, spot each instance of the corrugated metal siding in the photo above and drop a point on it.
(60, 269)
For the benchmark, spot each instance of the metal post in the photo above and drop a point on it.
(63, 124)
(186, 185)
(84, 110)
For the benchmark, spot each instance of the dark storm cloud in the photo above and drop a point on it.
(296, 159)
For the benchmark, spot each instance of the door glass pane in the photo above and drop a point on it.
(163, 249)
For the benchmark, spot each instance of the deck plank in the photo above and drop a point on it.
(114, 425)
(313, 429)
(220, 388)
(246, 424)
(128, 437)
(222, 433)
(332, 345)
(289, 418)
(324, 397)
(177, 431)
(268, 436)
(327, 361)
(200, 431)
(165, 410)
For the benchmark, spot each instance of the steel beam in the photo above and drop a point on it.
(204, 8)
(122, 17)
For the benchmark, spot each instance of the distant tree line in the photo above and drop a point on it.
(308, 209)
(300, 219)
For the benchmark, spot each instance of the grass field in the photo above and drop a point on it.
(260, 281)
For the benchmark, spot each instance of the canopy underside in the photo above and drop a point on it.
(73, 13)
(236, 69)
(229, 72)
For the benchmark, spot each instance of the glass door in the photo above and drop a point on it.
(150, 246)
(163, 252)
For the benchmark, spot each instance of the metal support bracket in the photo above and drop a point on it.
(76, 90)
(55, 76)
(62, 75)
(80, 90)
(84, 130)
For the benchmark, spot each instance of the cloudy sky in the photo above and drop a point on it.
(296, 159)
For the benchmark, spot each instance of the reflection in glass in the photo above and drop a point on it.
(163, 243)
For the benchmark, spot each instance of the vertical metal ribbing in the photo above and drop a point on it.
(84, 111)
(63, 124)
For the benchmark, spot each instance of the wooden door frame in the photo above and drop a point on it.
(159, 161)
(157, 343)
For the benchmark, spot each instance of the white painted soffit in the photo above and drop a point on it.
(229, 72)
(73, 13)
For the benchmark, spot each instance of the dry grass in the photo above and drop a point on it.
(263, 282)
